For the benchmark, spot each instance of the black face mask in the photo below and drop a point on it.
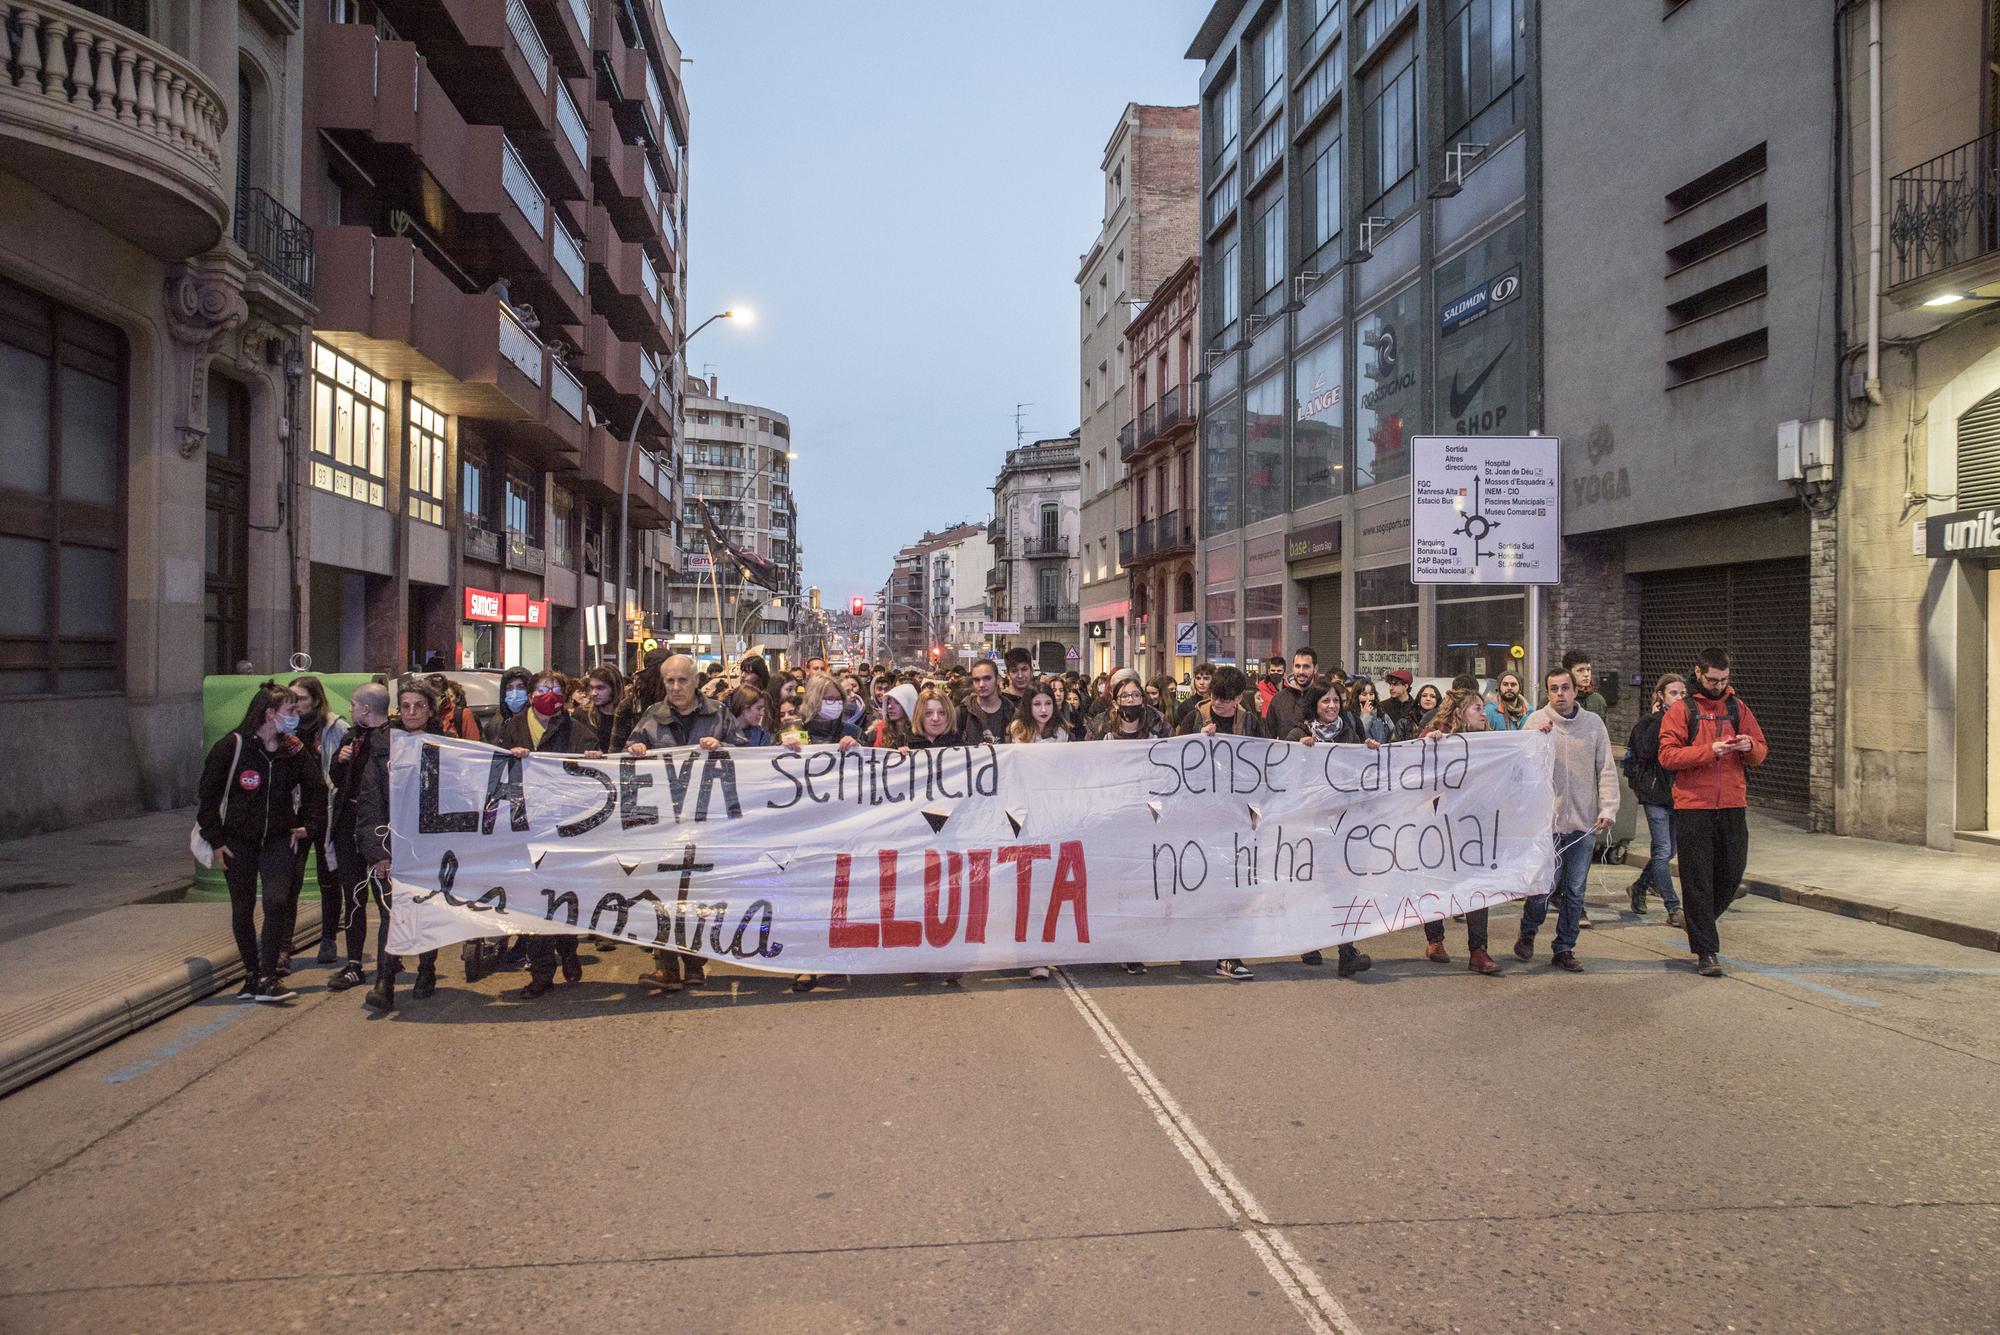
(1131, 713)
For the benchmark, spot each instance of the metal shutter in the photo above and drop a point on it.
(1759, 614)
(1979, 455)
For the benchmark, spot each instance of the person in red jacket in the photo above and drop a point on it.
(1706, 741)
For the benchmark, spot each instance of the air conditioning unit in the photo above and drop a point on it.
(1805, 450)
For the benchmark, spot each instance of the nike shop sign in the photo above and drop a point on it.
(1482, 338)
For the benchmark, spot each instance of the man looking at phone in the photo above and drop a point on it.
(1706, 742)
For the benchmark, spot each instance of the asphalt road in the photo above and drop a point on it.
(1808, 1145)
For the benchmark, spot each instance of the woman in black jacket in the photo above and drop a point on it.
(416, 711)
(263, 798)
(605, 686)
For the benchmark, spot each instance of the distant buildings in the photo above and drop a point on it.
(1034, 579)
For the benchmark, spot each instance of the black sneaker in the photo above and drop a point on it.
(382, 996)
(1708, 967)
(328, 952)
(273, 990)
(1312, 957)
(536, 987)
(1354, 962)
(284, 964)
(1232, 969)
(346, 978)
(247, 992)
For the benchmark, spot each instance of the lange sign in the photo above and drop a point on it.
(966, 858)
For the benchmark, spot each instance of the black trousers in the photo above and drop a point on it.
(1713, 847)
(331, 886)
(542, 954)
(1475, 930)
(272, 864)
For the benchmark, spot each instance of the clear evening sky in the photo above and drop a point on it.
(902, 191)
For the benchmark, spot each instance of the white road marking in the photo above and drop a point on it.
(1323, 1313)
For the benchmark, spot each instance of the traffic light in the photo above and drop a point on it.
(855, 605)
(935, 652)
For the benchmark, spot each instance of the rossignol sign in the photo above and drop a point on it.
(1967, 533)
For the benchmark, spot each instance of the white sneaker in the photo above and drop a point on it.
(274, 990)
(1040, 973)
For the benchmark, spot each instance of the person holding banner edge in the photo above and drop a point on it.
(1586, 800)
(546, 727)
(416, 711)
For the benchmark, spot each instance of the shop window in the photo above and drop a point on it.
(1388, 352)
(1263, 622)
(425, 485)
(350, 427)
(62, 527)
(1477, 634)
(1385, 621)
(1221, 616)
(1318, 443)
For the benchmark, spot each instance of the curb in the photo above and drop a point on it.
(1880, 915)
(128, 1004)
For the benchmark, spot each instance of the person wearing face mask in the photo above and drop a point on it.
(1269, 683)
(1287, 710)
(416, 712)
(370, 705)
(515, 685)
(1129, 719)
(320, 731)
(823, 713)
(546, 727)
(1653, 786)
(454, 717)
(1333, 725)
(249, 816)
(1508, 710)
(1709, 741)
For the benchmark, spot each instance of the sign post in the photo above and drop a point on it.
(1486, 510)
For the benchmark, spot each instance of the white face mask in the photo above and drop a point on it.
(829, 709)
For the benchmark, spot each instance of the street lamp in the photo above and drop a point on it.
(631, 447)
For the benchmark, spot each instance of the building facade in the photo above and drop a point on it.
(1367, 170)
(737, 458)
(155, 283)
(499, 196)
(1158, 548)
(927, 582)
(1151, 202)
(1034, 578)
(957, 562)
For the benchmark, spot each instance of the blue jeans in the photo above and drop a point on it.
(1656, 876)
(1572, 871)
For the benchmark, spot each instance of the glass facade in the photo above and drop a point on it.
(1396, 308)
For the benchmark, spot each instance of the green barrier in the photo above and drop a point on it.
(223, 700)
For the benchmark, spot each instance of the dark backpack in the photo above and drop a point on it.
(1694, 716)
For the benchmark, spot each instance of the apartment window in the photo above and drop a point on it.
(1222, 461)
(62, 527)
(1482, 69)
(562, 527)
(1049, 583)
(1389, 131)
(1267, 249)
(1103, 295)
(472, 490)
(1226, 280)
(1267, 63)
(1374, 18)
(350, 427)
(1103, 383)
(1320, 86)
(1320, 20)
(425, 487)
(1320, 206)
(1050, 518)
(1222, 113)
(524, 515)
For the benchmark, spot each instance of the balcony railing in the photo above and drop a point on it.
(1170, 409)
(521, 348)
(1125, 545)
(1125, 440)
(569, 254)
(567, 391)
(479, 543)
(522, 25)
(520, 185)
(277, 239)
(1163, 535)
(570, 121)
(580, 11)
(996, 578)
(1946, 211)
(1037, 546)
(1149, 423)
(524, 553)
(1048, 614)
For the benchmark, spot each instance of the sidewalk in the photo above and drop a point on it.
(1951, 896)
(98, 939)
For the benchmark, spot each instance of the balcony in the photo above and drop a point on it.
(278, 241)
(624, 284)
(996, 578)
(625, 371)
(1944, 222)
(1044, 546)
(479, 543)
(1048, 614)
(488, 54)
(1125, 441)
(1163, 536)
(1149, 424)
(524, 553)
(626, 183)
(1172, 410)
(1125, 545)
(113, 125)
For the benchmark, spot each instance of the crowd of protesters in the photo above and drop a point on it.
(295, 781)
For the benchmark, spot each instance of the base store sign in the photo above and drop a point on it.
(960, 858)
(1486, 510)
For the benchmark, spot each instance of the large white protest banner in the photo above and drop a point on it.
(959, 859)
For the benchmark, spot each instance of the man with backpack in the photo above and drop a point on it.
(1708, 740)
(1653, 788)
